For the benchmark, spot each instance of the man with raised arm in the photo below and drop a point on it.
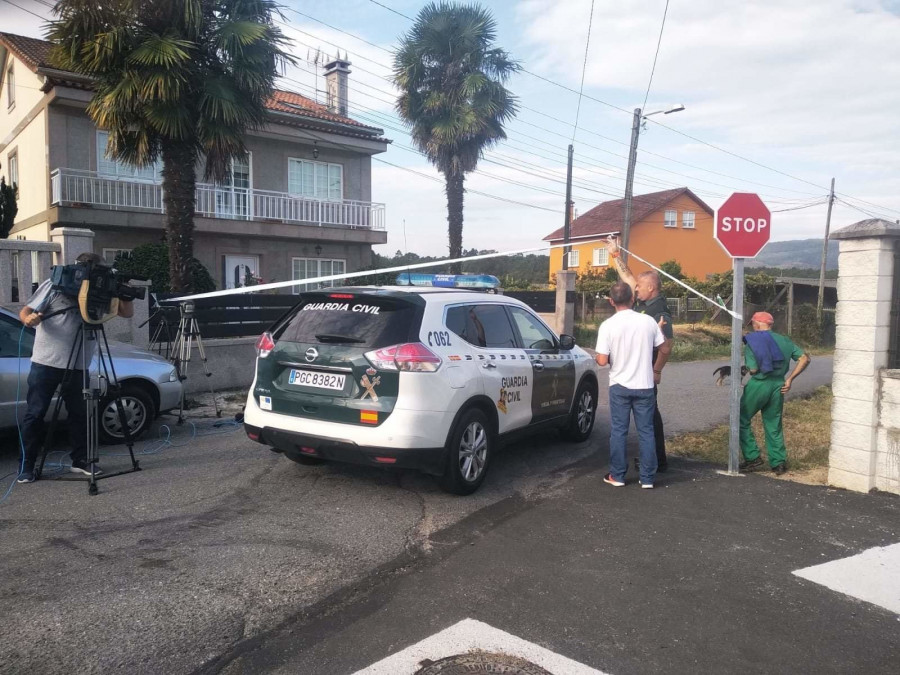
(648, 300)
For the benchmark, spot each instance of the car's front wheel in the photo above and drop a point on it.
(584, 411)
(468, 454)
(139, 413)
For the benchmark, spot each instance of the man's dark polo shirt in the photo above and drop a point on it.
(657, 307)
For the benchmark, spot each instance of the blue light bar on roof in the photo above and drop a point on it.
(473, 281)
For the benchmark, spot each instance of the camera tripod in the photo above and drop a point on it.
(188, 333)
(162, 334)
(92, 396)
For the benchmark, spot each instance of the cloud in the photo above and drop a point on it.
(804, 86)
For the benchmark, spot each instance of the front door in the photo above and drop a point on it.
(554, 369)
(237, 268)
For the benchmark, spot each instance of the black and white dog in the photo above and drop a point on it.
(725, 371)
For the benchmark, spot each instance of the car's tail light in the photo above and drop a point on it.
(413, 357)
(264, 345)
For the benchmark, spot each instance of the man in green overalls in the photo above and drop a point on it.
(768, 356)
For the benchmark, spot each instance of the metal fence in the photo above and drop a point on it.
(243, 315)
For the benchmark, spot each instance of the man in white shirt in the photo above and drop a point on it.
(625, 342)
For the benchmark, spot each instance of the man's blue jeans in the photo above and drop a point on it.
(42, 383)
(622, 402)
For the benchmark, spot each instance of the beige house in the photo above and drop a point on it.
(298, 206)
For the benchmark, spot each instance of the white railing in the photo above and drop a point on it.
(74, 187)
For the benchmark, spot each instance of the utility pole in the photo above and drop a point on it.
(629, 181)
(821, 302)
(567, 223)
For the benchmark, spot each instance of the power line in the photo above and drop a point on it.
(10, 2)
(656, 56)
(587, 44)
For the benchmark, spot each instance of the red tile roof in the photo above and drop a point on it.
(35, 54)
(608, 217)
(32, 51)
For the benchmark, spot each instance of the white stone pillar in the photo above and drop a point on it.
(864, 290)
(73, 242)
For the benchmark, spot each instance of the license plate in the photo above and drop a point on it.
(311, 378)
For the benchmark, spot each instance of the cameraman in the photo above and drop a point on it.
(53, 342)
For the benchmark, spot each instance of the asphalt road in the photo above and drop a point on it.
(218, 541)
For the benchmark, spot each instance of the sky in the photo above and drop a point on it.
(780, 96)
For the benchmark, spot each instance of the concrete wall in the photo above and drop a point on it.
(865, 432)
(29, 145)
(231, 362)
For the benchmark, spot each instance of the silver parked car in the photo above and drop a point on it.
(149, 383)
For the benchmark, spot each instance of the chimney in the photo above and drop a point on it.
(336, 72)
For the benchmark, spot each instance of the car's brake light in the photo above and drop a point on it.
(342, 296)
(413, 357)
(264, 345)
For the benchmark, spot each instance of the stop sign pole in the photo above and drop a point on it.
(743, 229)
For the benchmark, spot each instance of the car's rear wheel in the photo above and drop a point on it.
(139, 413)
(468, 453)
(584, 411)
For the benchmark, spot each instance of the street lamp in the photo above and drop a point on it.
(632, 160)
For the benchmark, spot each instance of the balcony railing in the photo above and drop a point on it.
(74, 187)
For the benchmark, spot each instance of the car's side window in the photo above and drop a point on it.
(10, 331)
(459, 321)
(492, 327)
(485, 326)
(534, 334)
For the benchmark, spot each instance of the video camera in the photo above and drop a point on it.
(95, 285)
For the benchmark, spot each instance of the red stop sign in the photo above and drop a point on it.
(743, 225)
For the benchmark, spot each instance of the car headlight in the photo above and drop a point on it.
(173, 375)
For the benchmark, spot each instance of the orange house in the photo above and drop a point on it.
(669, 225)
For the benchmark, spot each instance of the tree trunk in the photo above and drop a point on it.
(179, 182)
(455, 192)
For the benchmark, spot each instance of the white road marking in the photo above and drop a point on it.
(466, 636)
(872, 576)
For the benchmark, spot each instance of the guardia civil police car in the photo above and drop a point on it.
(426, 378)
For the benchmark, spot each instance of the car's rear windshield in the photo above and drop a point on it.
(360, 321)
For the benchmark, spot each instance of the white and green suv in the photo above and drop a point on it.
(426, 378)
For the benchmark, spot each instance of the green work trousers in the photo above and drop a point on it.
(763, 396)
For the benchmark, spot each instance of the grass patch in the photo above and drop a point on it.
(807, 435)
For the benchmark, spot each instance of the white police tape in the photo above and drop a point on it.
(436, 263)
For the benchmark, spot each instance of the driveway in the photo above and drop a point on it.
(218, 540)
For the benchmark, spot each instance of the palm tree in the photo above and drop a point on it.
(180, 80)
(451, 77)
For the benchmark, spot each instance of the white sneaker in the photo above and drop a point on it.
(646, 486)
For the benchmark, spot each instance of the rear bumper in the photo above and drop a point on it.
(292, 443)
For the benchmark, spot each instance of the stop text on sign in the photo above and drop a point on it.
(743, 224)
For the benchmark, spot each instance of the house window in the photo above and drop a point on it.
(317, 180)
(10, 86)
(671, 218)
(687, 220)
(573, 258)
(309, 268)
(13, 161)
(110, 254)
(119, 169)
(232, 195)
(601, 257)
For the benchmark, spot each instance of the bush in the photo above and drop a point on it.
(152, 261)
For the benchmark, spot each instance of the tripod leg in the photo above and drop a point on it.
(180, 366)
(106, 360)
(206, 368)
